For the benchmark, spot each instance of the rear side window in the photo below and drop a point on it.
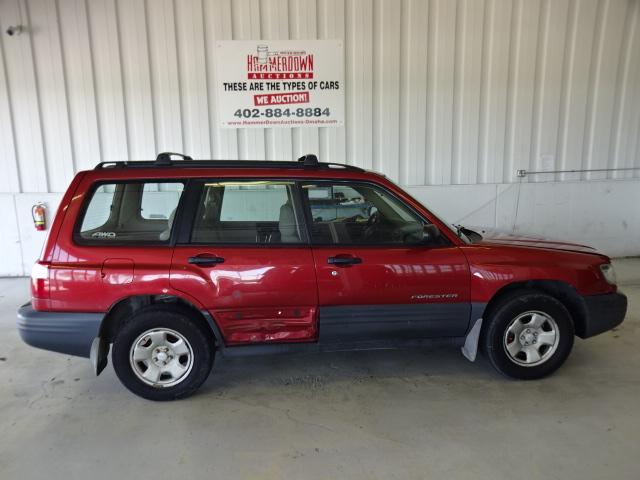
(136, 212)
(159, 200)
(247, 212)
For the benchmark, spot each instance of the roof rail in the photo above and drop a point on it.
(163, 160)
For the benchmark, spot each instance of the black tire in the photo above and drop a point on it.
(179, 320)
(497, 321)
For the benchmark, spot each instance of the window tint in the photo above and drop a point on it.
(131, 212)
(159, 200)
(99, 208)
(360, 214)
(247, 213)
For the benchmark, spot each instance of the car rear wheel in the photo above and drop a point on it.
(528, 335)
(162, 353)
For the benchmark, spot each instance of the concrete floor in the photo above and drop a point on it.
(388, 414)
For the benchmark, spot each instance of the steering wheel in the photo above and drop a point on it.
(371, 228)
(373, 219)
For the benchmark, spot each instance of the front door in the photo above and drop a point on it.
(377, 279)
(246, 258)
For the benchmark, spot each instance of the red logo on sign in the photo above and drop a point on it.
(281, 98)
(283, 65)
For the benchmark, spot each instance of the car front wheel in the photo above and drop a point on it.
(528, 335)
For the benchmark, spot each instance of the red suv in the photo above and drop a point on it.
(169, 261)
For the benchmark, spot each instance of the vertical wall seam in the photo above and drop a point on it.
(594, 74)
(567, 61)
(456, 115)
(402, 91)
(14, 137)
(118, 41)
(487, 42)
(321, 34)
(154, 126)
(538, 91)
(206, 36)
(36, 82)
(317, 18)
(65, 84)
(635, 153)
(429, 13)
(181, 102)
(94, 83)
(430, 123)
(514, 45)
(374, 63)
(15, 209)
(234, 35)
(291, 8)
(267, 137)
(348, 41)
(375, 83)
(268, 132)
(621, 87)
(565, 94)
(496, 192)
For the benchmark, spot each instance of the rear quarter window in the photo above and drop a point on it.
(129, 213)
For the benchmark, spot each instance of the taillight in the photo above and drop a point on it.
(40, 280)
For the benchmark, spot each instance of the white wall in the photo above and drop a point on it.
(439, 92)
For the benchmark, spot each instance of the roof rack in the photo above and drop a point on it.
(164, 160)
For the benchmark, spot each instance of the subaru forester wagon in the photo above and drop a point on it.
(166, 263)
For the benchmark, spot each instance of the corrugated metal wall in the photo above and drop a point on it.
(437, 92)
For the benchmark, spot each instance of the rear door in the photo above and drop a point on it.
(377, 278)
(243, 253)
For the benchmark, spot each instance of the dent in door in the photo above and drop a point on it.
(256, 295)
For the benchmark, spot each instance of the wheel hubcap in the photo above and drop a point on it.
(531, 338)
(161, 357)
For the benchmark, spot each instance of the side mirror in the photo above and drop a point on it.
(430, 233)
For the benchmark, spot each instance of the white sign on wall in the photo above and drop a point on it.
(285, 83)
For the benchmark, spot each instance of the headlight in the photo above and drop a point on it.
(608, 273)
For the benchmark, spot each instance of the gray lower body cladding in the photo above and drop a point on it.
(384, 322)
(358, 327)
(64, 332)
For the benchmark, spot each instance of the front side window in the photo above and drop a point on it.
(247, 212)
(136, 212)
(359, 214)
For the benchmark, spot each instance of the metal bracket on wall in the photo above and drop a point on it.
(524, 173)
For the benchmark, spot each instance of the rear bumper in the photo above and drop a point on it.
(70, 333)
(603, 312)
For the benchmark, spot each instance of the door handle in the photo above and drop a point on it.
(205, 261)
(343, 260)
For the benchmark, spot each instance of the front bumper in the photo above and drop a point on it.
(64, 332)
(602, 313)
